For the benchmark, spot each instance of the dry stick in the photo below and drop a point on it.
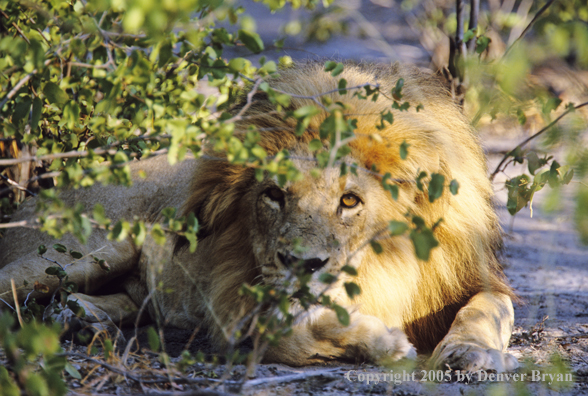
(13, 286)
(290, 378)
(248, 104)
(17, 186)
(524, 142)
(537, 15)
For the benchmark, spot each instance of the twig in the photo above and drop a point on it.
(524, 142)
(250, 95)
(290, 378)
(16, 185)
(537, 15)
(13, 287)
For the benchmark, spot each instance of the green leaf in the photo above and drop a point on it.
(482, 43)
(533, 162)
(341, 86)
(349, 270)
(397, 227)
(338, 69)
(327, 278)
(470, 34)
(37, 112)
(41, 250)
(54, 94)
(153, 339)
(72, 371)
(453, 187)
(60, 248)
(550, 105)
(436, 186)
(238, 64)
(251, 40)
(397, 90)
(76, 255)
(330, 65)
(120, 231)
(342, 314)
(424, 241)
(404, 150)
(76, 308)
(377, 247)
(315, 144)
(352, 289)
(158, 234)
(139, 233)
(567, 178)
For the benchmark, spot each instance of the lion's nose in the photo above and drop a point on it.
(309, 265)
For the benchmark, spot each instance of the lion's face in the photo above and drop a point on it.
(317, 224)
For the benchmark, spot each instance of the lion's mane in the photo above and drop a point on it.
(427, 294)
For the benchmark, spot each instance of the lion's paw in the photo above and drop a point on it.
(392, 346)
(472, 357)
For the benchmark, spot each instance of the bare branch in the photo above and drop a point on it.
(16, 185)
(250, 95)
(537, 15)
(499, 167)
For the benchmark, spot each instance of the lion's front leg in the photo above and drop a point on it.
(479, 336)
(316, 340)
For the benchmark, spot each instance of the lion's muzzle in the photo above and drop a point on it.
(309, 265)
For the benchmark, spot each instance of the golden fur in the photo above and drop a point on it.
(456, 304)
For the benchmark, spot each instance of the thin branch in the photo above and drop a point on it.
(250, 95)
(291, 378)
(524, 142)
(537, 15)
(16, 185)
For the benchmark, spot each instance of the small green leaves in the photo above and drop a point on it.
(251, 40)
(349, 270)
(454, 187)
(352, 289)
(60, 248)
(54, 94)
(397, 227)
(376, 246)
(423, 239)
(56, 271)
(327, 278)
(404, 150)
(153, 339)
(342, 314)
(41, 250)
(76, 255)
(436, 186)
(482, 44)
(397, 90)
(335, 68)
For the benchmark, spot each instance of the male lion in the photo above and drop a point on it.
(456, 304)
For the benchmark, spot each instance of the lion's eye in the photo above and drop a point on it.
(275, 194)
(349, 201)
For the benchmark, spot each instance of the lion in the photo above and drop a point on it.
(456, 305)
